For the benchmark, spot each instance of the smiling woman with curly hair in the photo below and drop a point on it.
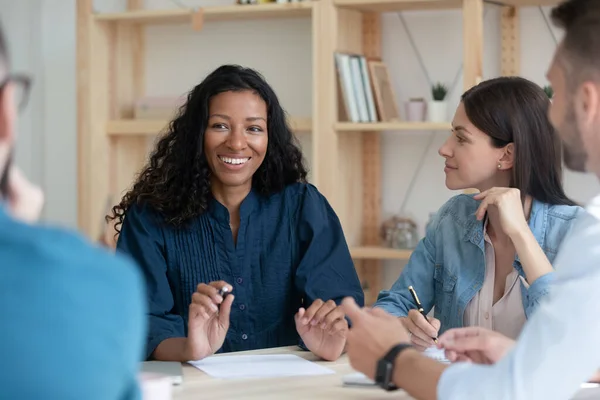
(238, 251)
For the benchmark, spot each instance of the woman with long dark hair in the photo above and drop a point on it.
(486, 259)
(238, 251)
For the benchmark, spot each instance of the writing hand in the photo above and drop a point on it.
(422, 332)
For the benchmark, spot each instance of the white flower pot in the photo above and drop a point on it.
(437, 111)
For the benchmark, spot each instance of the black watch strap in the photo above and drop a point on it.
(394, 351)
(385, 366)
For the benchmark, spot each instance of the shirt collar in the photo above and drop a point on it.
(221, 214)
(538, 221)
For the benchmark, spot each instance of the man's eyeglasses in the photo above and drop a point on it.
(21, 84)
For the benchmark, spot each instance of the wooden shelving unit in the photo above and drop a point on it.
(346, 167)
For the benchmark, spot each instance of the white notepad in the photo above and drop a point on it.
(436, 354)
(259, 366)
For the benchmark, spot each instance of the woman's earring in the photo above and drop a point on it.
(499, 166)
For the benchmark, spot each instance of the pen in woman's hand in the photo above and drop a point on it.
(420, 307)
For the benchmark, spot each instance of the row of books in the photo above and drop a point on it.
(356, 84)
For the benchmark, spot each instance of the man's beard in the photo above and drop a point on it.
(575, 159)
(4, 178)
(574, 155)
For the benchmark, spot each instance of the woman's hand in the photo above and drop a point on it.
(421, 332)
(510, 209)
(208, 320)
(507, 201)
(323, 329)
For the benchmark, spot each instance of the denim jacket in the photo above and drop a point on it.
(447, 268)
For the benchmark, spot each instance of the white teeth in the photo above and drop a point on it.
(234, 161)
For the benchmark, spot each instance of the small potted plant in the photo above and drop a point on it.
(549, 91)
(437, 110)
(415, 109)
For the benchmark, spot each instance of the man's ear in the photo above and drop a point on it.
(8, 115)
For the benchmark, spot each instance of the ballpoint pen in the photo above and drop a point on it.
(223, 292)
(420, 307)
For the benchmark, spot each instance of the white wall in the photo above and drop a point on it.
(20, 22)
(60, 109)
(42, 38)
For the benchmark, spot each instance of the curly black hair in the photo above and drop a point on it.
(176, 180)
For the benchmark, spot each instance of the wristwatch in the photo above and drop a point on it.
(385, 367)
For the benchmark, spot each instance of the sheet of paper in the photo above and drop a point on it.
(259, 366)
(436, 354)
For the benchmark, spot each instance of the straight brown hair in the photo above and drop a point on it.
(515, 110)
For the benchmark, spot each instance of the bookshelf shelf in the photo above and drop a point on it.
(137, 127)
(392, 126)
(379, 253)
(380, 6)
(216, 13)
(530, 3)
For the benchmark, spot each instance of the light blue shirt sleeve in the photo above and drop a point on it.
(558, 348)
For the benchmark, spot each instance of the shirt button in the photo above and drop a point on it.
(242, 307)
(244, 336)
(239, 280)
(487, 315)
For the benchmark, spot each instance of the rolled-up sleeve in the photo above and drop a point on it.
(142, 239)
(537, 291)
(325, 270)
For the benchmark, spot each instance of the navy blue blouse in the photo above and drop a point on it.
(290, 251)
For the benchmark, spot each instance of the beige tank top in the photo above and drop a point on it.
(507, 315)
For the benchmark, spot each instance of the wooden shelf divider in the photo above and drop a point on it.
(151, 127)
